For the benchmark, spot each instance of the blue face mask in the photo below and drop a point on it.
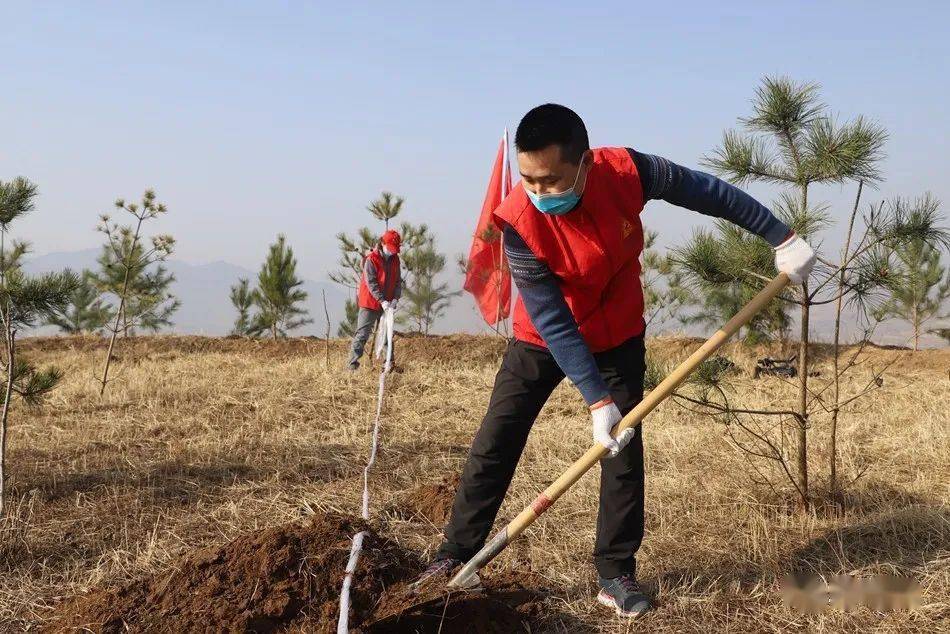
(557, 204)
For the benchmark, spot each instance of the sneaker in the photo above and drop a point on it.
(440, 571)
(353, 366)
(624, 595)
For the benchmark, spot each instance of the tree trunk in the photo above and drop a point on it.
(115, 334)
(803, 401)
(8, 395)
(803, 362)
(326, 312)
(916, 330)
(125, 322)
(120, 311)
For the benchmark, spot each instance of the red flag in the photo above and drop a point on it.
(486, 275)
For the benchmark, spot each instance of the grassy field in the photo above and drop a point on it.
(199, 440)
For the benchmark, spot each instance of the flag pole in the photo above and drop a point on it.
(501, 250)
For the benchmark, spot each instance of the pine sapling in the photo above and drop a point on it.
(86, 313)
(242, 297)
(279, 294)
(25, 301)
(792, 141)
(918, 283)
(128, 273)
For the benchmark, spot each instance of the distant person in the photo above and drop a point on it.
(572, 234)
(380, 288)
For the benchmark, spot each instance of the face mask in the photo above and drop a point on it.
(557, 204)
(387, 252)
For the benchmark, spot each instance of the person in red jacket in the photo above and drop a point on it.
(380, 288)
(573, 238)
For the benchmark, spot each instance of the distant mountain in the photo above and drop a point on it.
(204, 291)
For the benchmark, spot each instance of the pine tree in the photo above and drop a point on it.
(353, 250)
(242, 296)
(149, 305)
(414, 237)
(278, 293)
(918, 284)
(715, 261)
(792, 141)
(664, 294)
(719, 303)
(386, 207)
(86, 311)
(24, 302)
(425, 300)
(347, 327)
(133, 273)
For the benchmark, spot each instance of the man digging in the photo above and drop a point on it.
(380, 289)
(573, 238)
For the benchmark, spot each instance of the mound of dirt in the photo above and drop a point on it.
(429, 502)
(287, 578)
(263, 581)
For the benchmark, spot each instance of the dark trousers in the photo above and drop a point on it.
(526, 379)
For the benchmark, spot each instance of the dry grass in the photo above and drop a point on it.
(200, 439)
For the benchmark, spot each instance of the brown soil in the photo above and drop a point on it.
(287, 578)
(430, 502)
(261, 582)
(480, 613)
(507, 603)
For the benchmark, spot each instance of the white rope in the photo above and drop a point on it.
(386, 341)
(343, 624)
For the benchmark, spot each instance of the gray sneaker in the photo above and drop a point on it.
(353, 366)
(624, 595)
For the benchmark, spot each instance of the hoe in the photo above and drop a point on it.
(466, 577)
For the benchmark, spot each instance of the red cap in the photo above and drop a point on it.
(392, 240)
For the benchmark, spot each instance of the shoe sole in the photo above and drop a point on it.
(608, 601)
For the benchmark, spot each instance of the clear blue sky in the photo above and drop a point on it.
(251, 119)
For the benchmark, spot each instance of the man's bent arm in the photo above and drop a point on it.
(551, 315)
(711, 196)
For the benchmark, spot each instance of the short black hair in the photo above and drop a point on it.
(553, 124)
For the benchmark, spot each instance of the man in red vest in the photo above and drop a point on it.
(573, 238)
(380, 289)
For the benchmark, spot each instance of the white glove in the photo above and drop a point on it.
(384, 304)
(795, 258)
(604, 415)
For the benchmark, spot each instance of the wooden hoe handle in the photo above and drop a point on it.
(598, 451)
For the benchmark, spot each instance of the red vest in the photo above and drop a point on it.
(593, 251)
(387, 274)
